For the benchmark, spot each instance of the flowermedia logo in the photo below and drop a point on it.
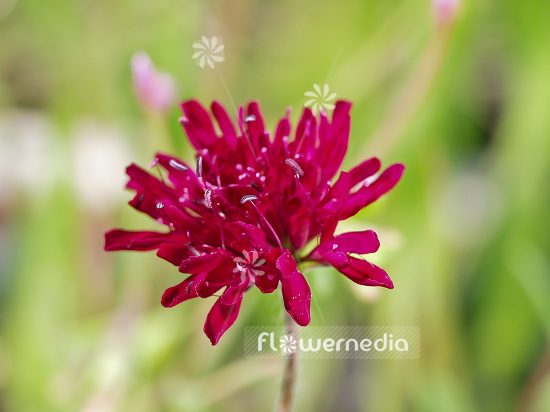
(320, 100)
(288, 343)
(335, 342)
(208, 52)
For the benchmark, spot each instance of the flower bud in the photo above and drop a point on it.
(155, 90)
(445, 10)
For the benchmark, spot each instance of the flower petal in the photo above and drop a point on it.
(201, 264)
(368, 194)
(220, 318)
(286, 264)
(300, 224)
(255, 127)
(225, 123)
(364, 170)
(297, 298)
(251, 234)
(306, 135)
(198, 126)
(357, 242)
(365, 273)
(267, 284)
(333, 149)
(180, 293)
(296, 292)
(118, 239)
(174, 253)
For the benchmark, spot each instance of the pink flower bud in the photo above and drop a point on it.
(155, 90)
(445, 10)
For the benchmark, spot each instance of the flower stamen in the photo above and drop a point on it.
(251, 198)
(160, 206)
(199, 166)
(298, 172)
(177, 165)
(210, 205)
(208, 198)
(295, 166)
(248, 198)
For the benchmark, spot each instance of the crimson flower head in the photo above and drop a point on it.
(243, 214)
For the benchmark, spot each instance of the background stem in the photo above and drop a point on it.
(288, 388)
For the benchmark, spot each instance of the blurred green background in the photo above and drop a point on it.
(464, 103)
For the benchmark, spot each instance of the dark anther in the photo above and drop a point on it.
(256, 186)
(140, 200)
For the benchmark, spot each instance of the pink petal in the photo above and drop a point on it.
(296, 292)
(254, 127)
(333, 150)
(368, 194)
(222, 276)
(335, 250)
(220, 318)
(364, 170)
(225, 123)
(143, 181)
(306, 134)
(297, 298)
(365, 273)
(181, 179)
(199, 127)
(286, 264)
(265, 284)
(201, 264)
(253, 235)
(180, 293)
(300, 223)
(328, 228)
(356, 242)
(118, 239)
(174, 253)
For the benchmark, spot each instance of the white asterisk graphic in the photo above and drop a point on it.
(249, 266)
(320, 100)
(288, 344)
(208, 51)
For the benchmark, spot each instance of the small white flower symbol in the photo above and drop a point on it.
(320, 100)
(288, 344)
(249, 266)
(208, 51)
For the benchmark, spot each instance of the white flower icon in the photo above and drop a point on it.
(288, 344)
(249, 266)
(208, 51)
(320, 100)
